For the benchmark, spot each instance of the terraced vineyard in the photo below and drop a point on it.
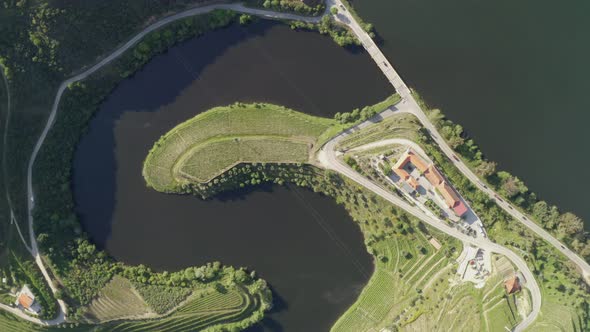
(452, 306)
(192, 166)
(396, 283)
(218, 139)
(421, 292)
(11, 323)
(117, 300)
(201, 312)
(557, 316)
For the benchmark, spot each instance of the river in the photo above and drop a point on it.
(303, 244)
(513, 73)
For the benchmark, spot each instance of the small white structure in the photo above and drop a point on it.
(25, 300)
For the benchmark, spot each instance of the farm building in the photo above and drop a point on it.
(25, 300)
(512, 285)
(406, 168)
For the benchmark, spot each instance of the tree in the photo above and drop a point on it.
(334, 10)
(486, 168)
(570, 225)
(436, 117)
(453, 135)
(511, 185)
(245, 19)
(540, 211)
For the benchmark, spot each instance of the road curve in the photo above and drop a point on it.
(344, 17)
(328, 159)
(51, 119)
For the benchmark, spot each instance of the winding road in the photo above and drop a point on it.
(327, 155)
(61, 318)
(328, 158)
(410, 105)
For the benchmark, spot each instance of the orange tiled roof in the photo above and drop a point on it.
(411, 156)
(401, 173)
(460, 209)
(417, 161)
(512, 285)
(450, 196)
(433, 176)
(402, 162)
(25, 301)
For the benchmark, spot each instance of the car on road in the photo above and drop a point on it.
(341, 6)
(385, 64)
(498, 198)
(562, 247)
(456, 158)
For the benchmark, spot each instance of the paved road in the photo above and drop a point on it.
(87, 72)
(329, 160)
(344, 17)
(412, 106)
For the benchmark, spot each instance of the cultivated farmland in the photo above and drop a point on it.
(10, 323)
(407, 265)
(213, 141)
(202, 311)
(117, 300)
(415, 288)
(250, 149)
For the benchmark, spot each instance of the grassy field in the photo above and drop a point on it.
(117, 300)
(213, 141)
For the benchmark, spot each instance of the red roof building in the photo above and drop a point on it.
(512, 285)
(433, 176)
(411, 157)
(452, 199)
(401, 173)
(25, 300)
